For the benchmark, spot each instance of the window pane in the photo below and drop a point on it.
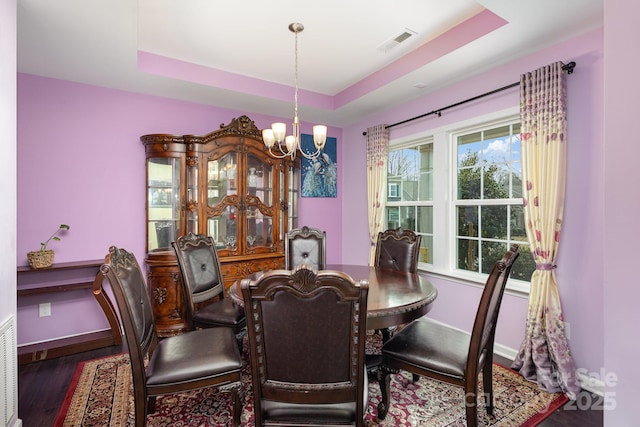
(410, 174)
(516, 163)
(468, 167)
(408, 217)
(496, 158)
(393, 217)
(494, 222)
(468, 221)
(467, 145)
(518, 230)
(426, 249)
(524, 267)
(426, 172)
(467, 255)
(425, 219)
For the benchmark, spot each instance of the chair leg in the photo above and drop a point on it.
(471, 404)
(386, 335)
(385, 389)
(237, 406)
(151, 408)
(487, 384)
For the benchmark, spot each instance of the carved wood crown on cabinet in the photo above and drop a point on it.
(223, 184)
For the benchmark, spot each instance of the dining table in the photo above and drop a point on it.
(395, 297)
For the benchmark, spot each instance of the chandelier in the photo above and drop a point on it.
(276, 135)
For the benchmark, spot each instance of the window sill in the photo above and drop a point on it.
(516, 288)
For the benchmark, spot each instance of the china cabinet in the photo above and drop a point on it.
(223, 184)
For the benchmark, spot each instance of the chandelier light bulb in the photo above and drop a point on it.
(319, 136)
(279, 131)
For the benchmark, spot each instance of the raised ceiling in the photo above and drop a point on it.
(240, 54)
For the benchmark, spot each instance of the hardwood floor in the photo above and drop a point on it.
(42, 387)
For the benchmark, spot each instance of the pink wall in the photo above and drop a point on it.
(621, 207)
(580, 271)
(81, 162)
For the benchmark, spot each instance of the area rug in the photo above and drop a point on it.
(101, 394)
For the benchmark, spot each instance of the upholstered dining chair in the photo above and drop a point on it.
(203, 285)
(432, 349)
(192, 360)
(305, 246)
(301, 373)
(398, 249)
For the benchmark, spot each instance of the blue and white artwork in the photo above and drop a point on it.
(319, 176)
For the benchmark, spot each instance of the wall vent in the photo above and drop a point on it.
(8, 372)
(390, 44)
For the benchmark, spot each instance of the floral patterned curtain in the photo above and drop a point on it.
(544, 355)
(377, 159)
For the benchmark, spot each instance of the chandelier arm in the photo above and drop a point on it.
(309, 155)
(277, 156)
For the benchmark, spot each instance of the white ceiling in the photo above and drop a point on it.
(239, 54)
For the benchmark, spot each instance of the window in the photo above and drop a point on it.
(489, 216)
(464, 182)
(410, 196)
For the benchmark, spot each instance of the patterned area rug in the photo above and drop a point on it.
(101, 394)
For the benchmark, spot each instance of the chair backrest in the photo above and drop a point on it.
(305, 246)
(127, 283)
(306, 336)
(398, 250)
(200, 268)
(484, 326)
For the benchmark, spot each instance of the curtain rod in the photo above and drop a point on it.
(568, 68)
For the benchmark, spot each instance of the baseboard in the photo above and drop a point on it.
(505, 351)
(591, 384)
(64, 347)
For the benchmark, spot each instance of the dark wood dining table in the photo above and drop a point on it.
(395, 297)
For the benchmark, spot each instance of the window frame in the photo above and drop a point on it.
(443, 260)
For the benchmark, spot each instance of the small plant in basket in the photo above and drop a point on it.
(54, 236)
(44, 257)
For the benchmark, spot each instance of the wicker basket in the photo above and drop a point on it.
(40, 259)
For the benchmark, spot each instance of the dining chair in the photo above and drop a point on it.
(307, 335)
(203, 286)
(432, 349)
(398, 249)
(176, 364)
(305, 246)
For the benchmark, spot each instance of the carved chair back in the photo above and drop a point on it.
(306, 337)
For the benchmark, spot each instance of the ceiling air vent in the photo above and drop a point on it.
(390, 44)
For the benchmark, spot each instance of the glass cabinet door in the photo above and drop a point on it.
(222, 182)
(163, 202)
(259, 198)
(224, 229)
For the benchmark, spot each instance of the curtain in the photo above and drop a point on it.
(544, 356)
(377, 159)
